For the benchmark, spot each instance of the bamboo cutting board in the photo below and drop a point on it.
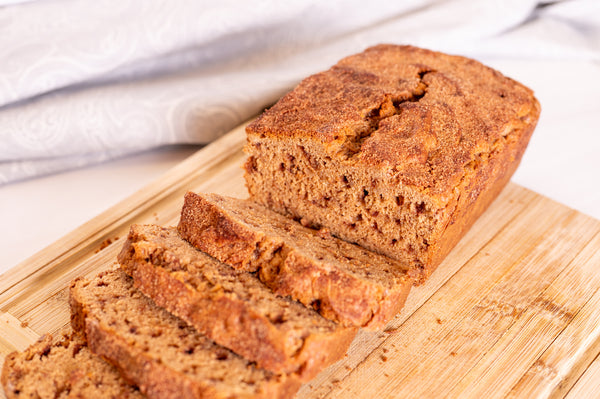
(514, 310)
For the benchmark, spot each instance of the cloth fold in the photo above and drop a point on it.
(80, 84)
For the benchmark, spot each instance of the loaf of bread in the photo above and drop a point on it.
(398, 149)
(344, 282)
(160, 353)
(234, 309)
(61, 366)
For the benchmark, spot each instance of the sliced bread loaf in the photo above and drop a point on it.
(62, 366)
(397, 148)
(160, 353)
(344, 282)
(234, 309)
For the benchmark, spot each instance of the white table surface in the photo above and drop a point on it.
(561, 162)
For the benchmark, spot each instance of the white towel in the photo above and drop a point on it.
(83, 83)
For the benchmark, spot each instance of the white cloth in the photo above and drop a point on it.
(83, 83)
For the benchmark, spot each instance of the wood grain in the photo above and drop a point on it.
(514, 310)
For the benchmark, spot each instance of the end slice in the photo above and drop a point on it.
(62, 366)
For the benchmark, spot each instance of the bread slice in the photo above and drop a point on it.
(398, 149)
(234, 309)
(161, 354)
(61, 366)
(342, 281)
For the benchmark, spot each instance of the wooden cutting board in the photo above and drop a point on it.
(513, 311)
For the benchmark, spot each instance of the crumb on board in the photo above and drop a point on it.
(438, 320)
(348, 367)
(452, 353)
(384, 358)
(105, 244)
(391, 330)
(24, 324)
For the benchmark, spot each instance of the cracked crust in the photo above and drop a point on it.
(344, 282)
(233, 309)
(418, 113)
(397, 148)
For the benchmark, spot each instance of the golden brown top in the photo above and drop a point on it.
(417, 114)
